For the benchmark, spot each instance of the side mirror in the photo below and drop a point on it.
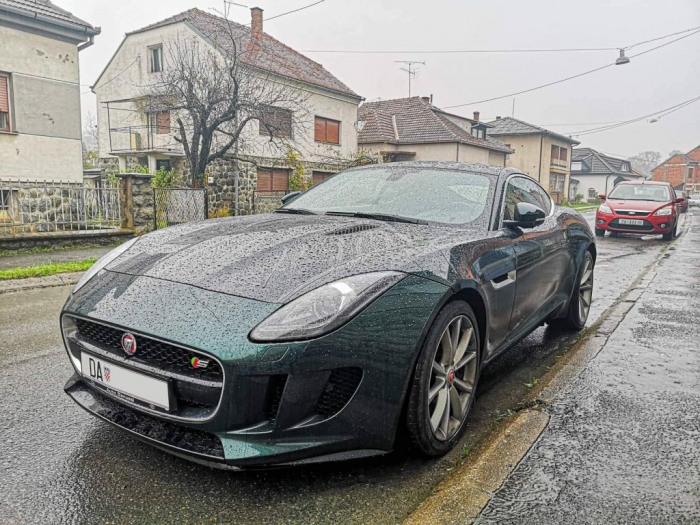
(526, 216)
(601, 196)
(679, 200)
(290, 197)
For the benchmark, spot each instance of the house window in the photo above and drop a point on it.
(156, 58)
(276, 122)
(690, 174)
(576, 166)
(5, 123)
(592, 194)
(556, 182)
(327, 130)
(159, 122)
(624, 167)
(320, 176)
(560, 156)
(164, 164)
(272, 180)
(478, 132)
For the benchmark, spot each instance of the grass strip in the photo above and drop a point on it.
(46, 269)
(52, 249)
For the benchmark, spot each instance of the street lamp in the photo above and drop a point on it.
(622, 59)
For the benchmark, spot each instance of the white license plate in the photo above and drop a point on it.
(125, 383)
(632, 222)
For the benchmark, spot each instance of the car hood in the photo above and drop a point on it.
(277, 257)
(635, 205)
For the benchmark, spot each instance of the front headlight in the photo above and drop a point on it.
(605, 209)
(324, 309)
(662, 212)
(102, 262)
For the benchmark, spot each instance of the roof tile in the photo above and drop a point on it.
(47, 9)
(513, 126)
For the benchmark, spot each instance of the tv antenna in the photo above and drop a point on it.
(410, 69)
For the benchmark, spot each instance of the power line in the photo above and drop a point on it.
(470, 51)
(658, 114)
(294, 10)
(548, 84)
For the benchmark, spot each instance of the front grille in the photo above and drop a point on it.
(631, 213)
(150, 351)
(342, 385)
(647, 226)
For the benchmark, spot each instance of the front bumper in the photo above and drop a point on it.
(280, 403)
(651, 225)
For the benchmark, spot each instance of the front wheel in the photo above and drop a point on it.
(444, 381)
(672, 234)
(599, 232)
(581, 298)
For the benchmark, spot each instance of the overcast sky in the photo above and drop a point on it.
(649, 83)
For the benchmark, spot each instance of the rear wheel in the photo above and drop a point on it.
(581, 298)
(599, 232)
(672, 234)
(444, 381)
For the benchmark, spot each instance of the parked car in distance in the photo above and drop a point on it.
(694, 200)
(360, 312)
(646, 207)
(683, 205)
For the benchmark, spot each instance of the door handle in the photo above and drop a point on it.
(504, 280)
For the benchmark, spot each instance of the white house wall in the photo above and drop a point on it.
(45, 108)
(128, 74)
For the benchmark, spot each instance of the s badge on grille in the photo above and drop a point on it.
(129, 344)
(196, 362)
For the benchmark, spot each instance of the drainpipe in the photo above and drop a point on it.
(457, 159)
(539, 173)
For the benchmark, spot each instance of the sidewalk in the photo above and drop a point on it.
(623, 441)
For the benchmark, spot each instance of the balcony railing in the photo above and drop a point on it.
(135, 139)
(559, 163)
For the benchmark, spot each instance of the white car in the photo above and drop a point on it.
(694, 200)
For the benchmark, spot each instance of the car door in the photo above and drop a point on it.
(541, 256)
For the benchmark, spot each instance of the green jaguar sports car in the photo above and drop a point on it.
(361, 312)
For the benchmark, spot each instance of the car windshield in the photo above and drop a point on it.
(640, 192)
(420, 194)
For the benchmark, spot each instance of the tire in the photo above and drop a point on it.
(599, 232)
(672, 234)
(580, 303)
(437, 395)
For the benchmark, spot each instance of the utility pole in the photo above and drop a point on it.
(411, 70)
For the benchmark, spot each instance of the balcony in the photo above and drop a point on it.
(144, 139)
(559, 163)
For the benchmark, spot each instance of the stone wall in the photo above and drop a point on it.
(137, 202)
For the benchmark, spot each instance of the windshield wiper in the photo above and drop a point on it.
(377, 216)
(295, 211)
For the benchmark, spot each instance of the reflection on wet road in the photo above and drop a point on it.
(62, 465)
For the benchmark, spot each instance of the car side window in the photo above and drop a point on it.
(522, 189)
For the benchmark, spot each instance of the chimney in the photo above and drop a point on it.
(427, 100)
(256, 23)
(476, 116)
(498, 117)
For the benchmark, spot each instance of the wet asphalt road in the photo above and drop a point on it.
(60, 464)
(623, 444)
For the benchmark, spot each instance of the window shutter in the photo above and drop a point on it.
(333, 132)
(320, 130)
(317, 177)
(163, 122)
(264, 180)
(563, 154)
(4, 95)
(280, 180)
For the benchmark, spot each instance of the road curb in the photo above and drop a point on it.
(51, 281)
(462, 496)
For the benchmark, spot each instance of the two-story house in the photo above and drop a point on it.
(131, 132)
(681, 170)
(414, 129)
(599, 173)
(40, 125)
(542, 154)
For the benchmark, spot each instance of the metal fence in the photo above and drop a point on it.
(179, 206)
(33, 207)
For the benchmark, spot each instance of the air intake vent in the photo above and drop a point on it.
(353, 229)
(341, 386)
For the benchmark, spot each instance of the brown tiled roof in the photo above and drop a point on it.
(416, 121)
(269, 54)
(513, 126)
(48, 10)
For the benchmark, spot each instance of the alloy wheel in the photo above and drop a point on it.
(452, 378)
(585, 290)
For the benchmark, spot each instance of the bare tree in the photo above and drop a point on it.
(645, 161)
(90, 141)
(215, 92)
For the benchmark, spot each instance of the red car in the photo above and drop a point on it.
(639, 207)
(683, 206)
